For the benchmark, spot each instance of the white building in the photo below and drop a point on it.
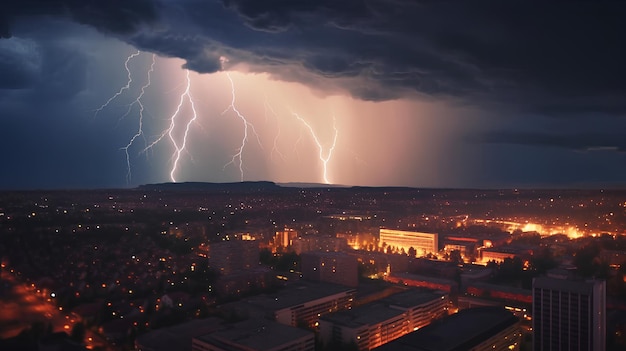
(423, 243)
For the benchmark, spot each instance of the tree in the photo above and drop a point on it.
(455, 257)
(543, 261)
(78, 332)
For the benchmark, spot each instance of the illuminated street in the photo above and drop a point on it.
(23, 305)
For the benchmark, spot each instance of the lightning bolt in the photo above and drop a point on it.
(140, 127)
(275, 149)
(239, 154)
(181, 146)
(123, 88)
(320, 147)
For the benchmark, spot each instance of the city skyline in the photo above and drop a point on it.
(373, 93)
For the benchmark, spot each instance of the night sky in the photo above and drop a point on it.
(481, 94)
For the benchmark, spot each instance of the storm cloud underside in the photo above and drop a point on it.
(517, 74)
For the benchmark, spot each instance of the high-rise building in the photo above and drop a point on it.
(284, 238)
(569, 314)
(234, 255)
(422, 243)
(331, 267)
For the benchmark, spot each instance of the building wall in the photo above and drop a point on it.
(569, 314)
(446, 285)
(496, 256)
(233, 255)
(423, 243)
(421, 315)
(506, 340)
(284, 238)
(309, 312)
(332, 267)
(366, 337)
(368, 334)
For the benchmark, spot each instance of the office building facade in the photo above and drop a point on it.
(423, 243)
(569, 314)
(330, 267)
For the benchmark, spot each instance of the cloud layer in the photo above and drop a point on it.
(548, 58)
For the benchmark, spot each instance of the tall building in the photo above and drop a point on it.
(569, 314)
(422, 243)
(284, 238)
(331, 267)
(233, 255)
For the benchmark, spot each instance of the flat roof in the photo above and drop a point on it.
(498, 287)
(297, 294)
(258, 334)
(569, 285)
(369, 314)
(426, 278)
(459, 331)
(380, 311)
(413, 297)
(177, 337)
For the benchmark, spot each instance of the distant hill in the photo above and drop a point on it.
(311, 185)
(260, 186)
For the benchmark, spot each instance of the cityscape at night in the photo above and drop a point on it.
(312, 175)
(195, 265)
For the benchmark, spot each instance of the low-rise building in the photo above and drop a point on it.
(300, 304)
(422, 281)
(474, 329)
(256, 334)
(377, 323)
(331, 267)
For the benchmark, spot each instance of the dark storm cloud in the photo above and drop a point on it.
(537, 57)
(20, 63)
(582, 141)
(111, 16)
(279, 15)
(542, 57)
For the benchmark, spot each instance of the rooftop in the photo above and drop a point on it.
(460, 331)
(365, 315)
(297, 294)
(177, 337)
(413, 297)
(380, 311)
(257, 334)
